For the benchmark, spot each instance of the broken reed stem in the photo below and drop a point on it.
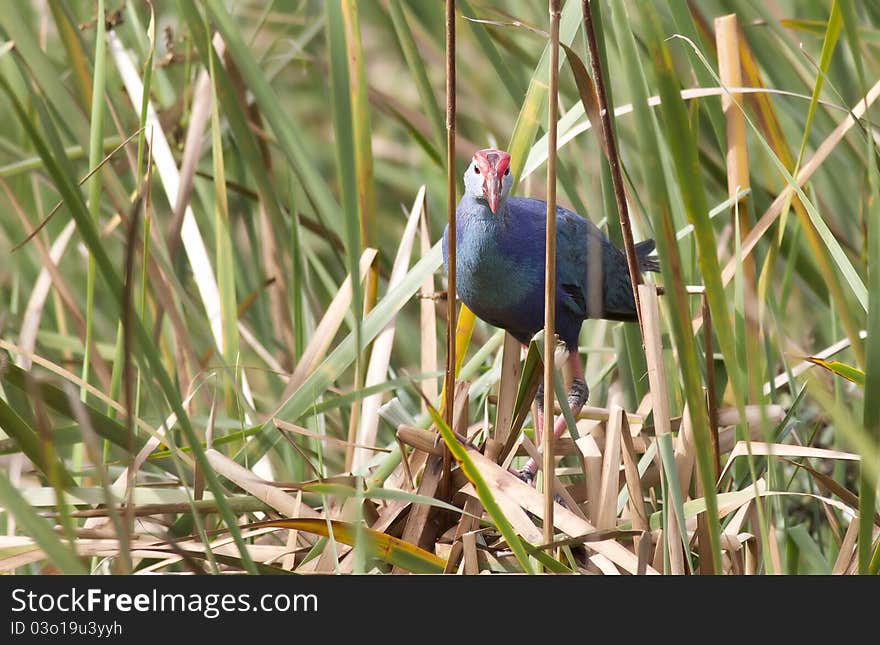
(550, 275)
(662, 424)
(632, 259)
(730, 72)
(737, 162)
(450, 216)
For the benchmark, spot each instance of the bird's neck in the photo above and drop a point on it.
(477, 210)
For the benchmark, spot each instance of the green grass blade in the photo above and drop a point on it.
(549, 563)
(223, 252)
(342, 356)
(377, 545)
(672, 270)
(684, 24)
(95, 154)
(116, 376)
(73, 47)
(148, 355)
(344, 492)
(834, 248)
(688, 170)
(871, 413)
(418, 70)
(459, 452)
(28, 442)
(850, 373)
(60, 554)
(510, 75)
(103, 425)
(353, 223)
(345, 150)
(529, 119)
(809, 551)
(832, 33)
(291, 141)
(54, 397)
(870, 379)
(361, 123)
(673, 490)
(27, 45)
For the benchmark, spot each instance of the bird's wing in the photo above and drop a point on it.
(581, 248)
(571, 261)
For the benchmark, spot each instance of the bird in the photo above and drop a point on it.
(500, 255)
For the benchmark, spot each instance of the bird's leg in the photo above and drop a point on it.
(577, 397)
(527, 473)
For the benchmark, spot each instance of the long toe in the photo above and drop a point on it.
(526, 475)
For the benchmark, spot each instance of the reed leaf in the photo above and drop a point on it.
(485, 494)
(377, 545)
(147, 354)
(60, 554)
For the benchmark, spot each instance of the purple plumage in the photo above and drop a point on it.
(499, 264)
(500, 252)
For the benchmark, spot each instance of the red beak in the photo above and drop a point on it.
(493, 189)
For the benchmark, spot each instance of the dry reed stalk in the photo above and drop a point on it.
(634, 485)
(550, 273)
(557, 486)
(807, 170)
(469, 544)
(424, 440)
(464, 531)
(610, 147)
(657, 380)
(591, 412)
(847, 552)
(730, 73)
(608, 490)
(685, 451)
(706, 566)
(562, 446)
(505, 484)
(327, 328)
(604, 565)
(511, 369)
(418, 529)
(289, 559)
(450, 219)
(256, 486)
(593, 468)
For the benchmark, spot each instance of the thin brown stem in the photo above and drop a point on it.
(632, 260)
(451, 237)
(550, 274)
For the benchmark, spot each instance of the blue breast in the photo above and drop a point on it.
(500, 266)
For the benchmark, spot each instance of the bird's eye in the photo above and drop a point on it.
(507, 172)
(477, 169)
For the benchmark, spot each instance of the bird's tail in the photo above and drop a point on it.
(619, 301)
(647, 262)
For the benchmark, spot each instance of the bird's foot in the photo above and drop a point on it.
(526, 475)
(529, 477)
